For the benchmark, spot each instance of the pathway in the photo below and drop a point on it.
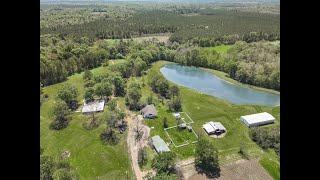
(134, 146)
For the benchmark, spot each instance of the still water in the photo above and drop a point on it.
(207, 83)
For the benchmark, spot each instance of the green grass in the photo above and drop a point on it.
(90, 158)
(270, 162)
(181, 136)
(222, 49)
(203, 108)
(185, 117)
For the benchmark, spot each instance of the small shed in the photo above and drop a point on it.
(159, 145)
(176, 115)
(95, 106)
(258, 119)
(214, 128)
(149, 111)
(182, 126)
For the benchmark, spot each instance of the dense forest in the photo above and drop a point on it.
(207, 27)
(68, 48)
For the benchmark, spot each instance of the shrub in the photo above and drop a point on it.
(142, 157)
(109, 136)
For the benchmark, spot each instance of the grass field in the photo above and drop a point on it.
(271, 164)
(90, 158)
(203, 108)
(181, 136)
(185, 117)
(94, 160)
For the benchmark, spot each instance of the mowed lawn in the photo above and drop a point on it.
(89, 156)
(203, 108)
(181, 136)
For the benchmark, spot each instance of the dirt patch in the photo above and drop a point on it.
(134, 146)
(242, 169)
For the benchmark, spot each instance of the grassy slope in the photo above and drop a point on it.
(271, 164)
(89, 156)
(203, 108)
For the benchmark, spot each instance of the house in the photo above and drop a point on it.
(214, 128)
(159, 145)
(258, 119)
(149, 111)
(95, 106)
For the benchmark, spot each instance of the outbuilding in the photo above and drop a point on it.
(95, 106)
(258, 119)
(214, 128)
(159, 145)
(149, 111)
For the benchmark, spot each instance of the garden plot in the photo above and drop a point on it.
(186, 118)
(181, 137)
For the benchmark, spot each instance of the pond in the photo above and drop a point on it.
(207, 83)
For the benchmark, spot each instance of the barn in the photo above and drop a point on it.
(258, 119)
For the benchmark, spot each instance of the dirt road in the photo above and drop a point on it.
(134, 146)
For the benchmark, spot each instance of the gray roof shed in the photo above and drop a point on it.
(159, 144)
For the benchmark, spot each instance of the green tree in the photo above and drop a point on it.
(60, 111)
(103, 89)
(112, 104)
(88, 94)
(175, 104)
(164, 162)
(119, 85)
(206, 158)
(68, 94)
(165, 122)
(87, 75)
(46, 167)
(133, 94)
(109, 136)
(174, 91)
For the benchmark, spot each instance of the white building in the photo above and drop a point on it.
(214, 128)
(257, 119)
(176, 115)
(159, 145)
(96, 106)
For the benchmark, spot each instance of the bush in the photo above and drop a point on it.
(266, 137)
(164, 162)
(142, 157)
(206, 158)
(59, 124)
(165, 122)
(175, 104)
(109, 136)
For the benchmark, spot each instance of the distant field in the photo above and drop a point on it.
(161, 38)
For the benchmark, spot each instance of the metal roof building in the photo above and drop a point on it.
(213, 127)
(159, 144)
(149, 111)
(95, 106)
(257, 119)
